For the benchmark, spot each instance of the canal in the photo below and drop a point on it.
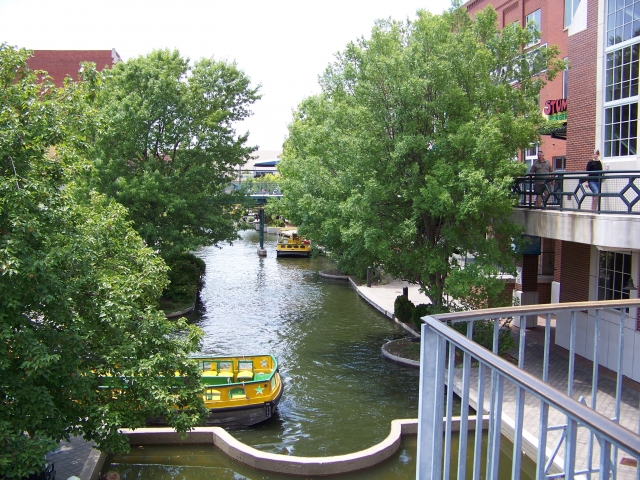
(340, 394)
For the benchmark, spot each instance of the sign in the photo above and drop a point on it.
(556, 109)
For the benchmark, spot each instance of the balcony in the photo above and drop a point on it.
(576, 419)
(569, 211)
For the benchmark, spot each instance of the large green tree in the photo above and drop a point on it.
(405, 159)
(167, 147)
(78, 289)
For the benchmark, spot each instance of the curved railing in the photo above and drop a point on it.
(593, 428)
(569, 191)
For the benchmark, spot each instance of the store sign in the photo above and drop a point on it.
(556, 109)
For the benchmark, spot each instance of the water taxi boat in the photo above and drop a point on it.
(239, 391)
(290, 244)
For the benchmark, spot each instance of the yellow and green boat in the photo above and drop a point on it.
(240, 390)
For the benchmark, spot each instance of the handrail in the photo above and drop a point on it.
(614, 432)
(562, 417)
(538, 309)
(570, 191)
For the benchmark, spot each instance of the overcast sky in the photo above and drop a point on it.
(282, 44)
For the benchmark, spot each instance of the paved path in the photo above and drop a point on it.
(70, 459)
(382, 297)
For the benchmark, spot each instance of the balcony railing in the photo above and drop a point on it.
(573, 419)
(569, 191)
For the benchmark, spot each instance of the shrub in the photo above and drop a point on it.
(185, 274)
(403, 308)
(483, 334)
(419, 312)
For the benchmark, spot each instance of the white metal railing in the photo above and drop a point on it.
(582, 430)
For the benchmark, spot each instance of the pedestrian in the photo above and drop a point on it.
(594, 180)
(540, 166)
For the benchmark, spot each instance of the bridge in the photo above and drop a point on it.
(259, 191)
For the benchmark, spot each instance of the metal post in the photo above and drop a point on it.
(369, 277)
(431, 405)
(405, 292)
(261, 228)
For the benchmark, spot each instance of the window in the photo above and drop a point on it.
(620, 130)
(622, 73)
(559, 164)
(613, 275)
(570, 7)
(535, 18)
(623, 20)
(530, 155)
(621, 78)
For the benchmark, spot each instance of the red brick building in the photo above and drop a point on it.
(587, 254)
(63, 63)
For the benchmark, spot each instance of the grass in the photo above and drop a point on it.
(405, 348)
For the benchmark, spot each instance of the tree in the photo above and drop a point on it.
(406, 156)
(78, 289)
(167, 146)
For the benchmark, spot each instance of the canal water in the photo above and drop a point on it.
(340, 394)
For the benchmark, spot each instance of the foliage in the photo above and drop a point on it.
(420, 311)
(405, 159)
(403, 308)
(185, 278)
(167, 148)
(78, 290)
(483, 334)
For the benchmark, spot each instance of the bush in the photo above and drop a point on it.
(420, 311)
(403, 308)
(185, 276)
(483, 334)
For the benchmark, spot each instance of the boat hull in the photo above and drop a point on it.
(299, 253)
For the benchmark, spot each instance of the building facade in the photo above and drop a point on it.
(66, 63)
(587, 254)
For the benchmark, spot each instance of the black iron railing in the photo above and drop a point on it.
(619, 191)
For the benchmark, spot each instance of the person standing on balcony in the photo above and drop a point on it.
(595, 167)
(540, 166)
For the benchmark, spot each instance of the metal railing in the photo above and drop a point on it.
(619, 191)
(571, 418)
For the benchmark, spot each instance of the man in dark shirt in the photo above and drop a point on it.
(540, 166)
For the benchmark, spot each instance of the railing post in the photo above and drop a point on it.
(430, 405)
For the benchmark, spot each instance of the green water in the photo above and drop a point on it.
(340, 394)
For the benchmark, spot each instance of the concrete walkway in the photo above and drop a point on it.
(77, 458)
(382, 298)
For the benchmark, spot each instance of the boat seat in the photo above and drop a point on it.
(225, 368)
(262, 376)
(245, 370)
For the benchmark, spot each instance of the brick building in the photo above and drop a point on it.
(62, 63)
(586, 254)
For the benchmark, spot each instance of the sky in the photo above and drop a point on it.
(283, 45)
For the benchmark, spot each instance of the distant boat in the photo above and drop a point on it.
(290, 244)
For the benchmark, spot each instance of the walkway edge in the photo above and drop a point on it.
(287, 464)
(92, 465)
(403, 361)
